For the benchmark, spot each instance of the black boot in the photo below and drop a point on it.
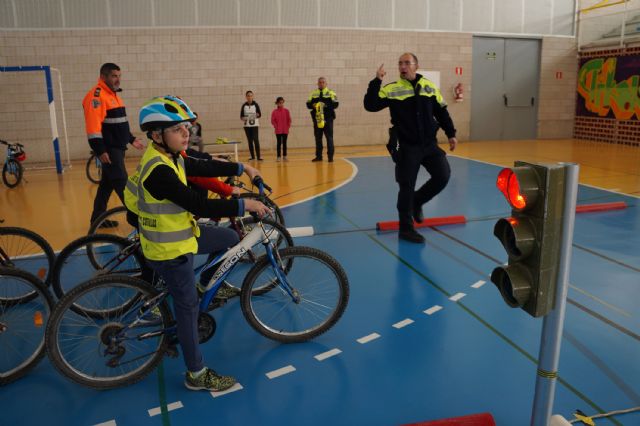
(411, 235)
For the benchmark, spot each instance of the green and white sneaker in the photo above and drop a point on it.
(227, 291)
(208, 380)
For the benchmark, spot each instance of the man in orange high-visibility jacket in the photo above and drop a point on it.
(108, 134)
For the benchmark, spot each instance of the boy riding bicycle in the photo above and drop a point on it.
(169, 235)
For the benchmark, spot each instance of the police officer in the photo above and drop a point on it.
(108, 133)
(322, 103)
(417, 110)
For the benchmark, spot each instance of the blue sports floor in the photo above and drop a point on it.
(467, 355)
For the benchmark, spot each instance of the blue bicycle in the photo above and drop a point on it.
(289, 295)
(12, 170)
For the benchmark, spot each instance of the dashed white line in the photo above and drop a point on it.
(170, 407)
(478, 284)
(233, 388)
(432, 310)
(109, 423)
(281, 371)
(457, 297)
(403, 323)
(368, 338)
(327, 354)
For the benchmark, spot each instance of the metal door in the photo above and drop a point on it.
(505, 81)
(486, 88)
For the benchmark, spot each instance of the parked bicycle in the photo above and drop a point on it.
(12, 171)
(25, 307)
(93, 168)
(24, 249)
(114, 330)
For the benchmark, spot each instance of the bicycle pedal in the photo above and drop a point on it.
(216, 303)
(172, 351)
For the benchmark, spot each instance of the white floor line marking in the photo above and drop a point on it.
(432, 310)
(478, 284)
(403, 323)
(170, 407)
(281, 371)
(368, 338)
(233, 388)
(109, 423)
(457, 297)
(328, 354)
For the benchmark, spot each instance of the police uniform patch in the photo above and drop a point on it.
(95, 103)
(96, 93)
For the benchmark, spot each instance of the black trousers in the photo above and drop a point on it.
(409, 160)
(114, 178)
(327, 130)
(252, 138)
(281, 143)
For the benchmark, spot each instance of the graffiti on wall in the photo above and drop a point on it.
(609, 88)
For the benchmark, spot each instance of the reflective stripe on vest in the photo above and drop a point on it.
(167, 237)
(115, 120)
(402, 89)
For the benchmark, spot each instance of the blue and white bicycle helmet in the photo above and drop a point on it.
(164, 111)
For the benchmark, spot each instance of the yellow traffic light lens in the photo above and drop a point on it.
(508, 184)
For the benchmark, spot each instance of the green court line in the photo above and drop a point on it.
(510, 342)
(162, 396)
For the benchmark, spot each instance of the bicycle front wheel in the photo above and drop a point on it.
(115, 349)
(93, 169)
(303, 302)
(22, 323)
(24, 249)
(12, 173)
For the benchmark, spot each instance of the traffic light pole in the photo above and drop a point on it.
(553, 322)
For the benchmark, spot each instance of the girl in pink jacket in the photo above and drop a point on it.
(281, 121)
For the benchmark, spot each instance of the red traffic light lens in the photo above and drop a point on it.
(508, 184)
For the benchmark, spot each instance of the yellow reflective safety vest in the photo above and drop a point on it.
(402, 89)
(166, 230)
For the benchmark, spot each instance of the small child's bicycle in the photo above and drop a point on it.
(12, 170)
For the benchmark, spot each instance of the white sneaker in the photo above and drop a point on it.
(278, 159)
(286, 159)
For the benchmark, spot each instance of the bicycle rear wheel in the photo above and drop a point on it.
(280, 239)
(12, 173)
(109, 350)
(92, 256)
(22, 323)
(24, 249)
(114, 222)
(308, 302)
(93, 169)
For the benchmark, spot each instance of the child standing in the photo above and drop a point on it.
(250, 114)
(281, 121)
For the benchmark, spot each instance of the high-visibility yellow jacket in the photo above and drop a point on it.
(166, 229)
(416, 112)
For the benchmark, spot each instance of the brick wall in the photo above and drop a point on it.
(606, 129)
(211, 68)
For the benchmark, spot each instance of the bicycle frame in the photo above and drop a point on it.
(227, 262)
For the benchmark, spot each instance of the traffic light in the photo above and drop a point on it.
(531, 236)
